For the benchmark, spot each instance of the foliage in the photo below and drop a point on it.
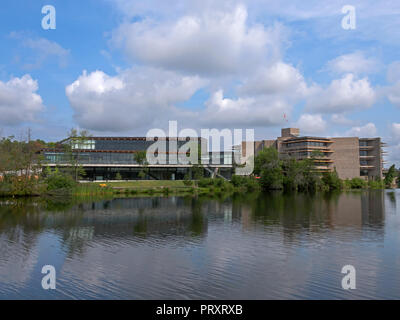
(356, 183)
(390, 175)
(376, 184)
(118, 176)
(56, 180)
(186, 180)
(197, 172)
(140, 157)
(20, 165)
(331, 181)
(398, 179)
(268, 166)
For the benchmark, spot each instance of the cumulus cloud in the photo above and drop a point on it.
(342, 95)
(133, 98)
(19, 101)
(355, 62)
(222, 111)
(278, 78)
(311, 123)
(211, 42)
(366, 131)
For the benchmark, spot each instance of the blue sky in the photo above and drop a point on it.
(120, 67)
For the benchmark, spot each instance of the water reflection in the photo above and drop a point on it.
(269, 246)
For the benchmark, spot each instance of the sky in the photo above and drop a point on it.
(122, 67)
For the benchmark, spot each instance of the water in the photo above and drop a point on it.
(268, 247)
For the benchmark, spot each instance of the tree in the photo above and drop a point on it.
(140, 158)
(331, 180)
(398, 179)
(390, 175)
(268, 166)
(77, 141)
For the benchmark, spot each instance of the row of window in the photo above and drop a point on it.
(306, 144)
(129, 158)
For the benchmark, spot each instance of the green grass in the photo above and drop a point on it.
(142, 184)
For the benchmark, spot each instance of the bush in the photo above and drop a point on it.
(239, 181)
(252, 185)
(377, 184)
(357, 183)
(205, 182)
(58, 180)
(331, 181)
(186, 180)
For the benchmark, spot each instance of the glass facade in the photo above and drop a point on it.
(122, 151)
(306, 144)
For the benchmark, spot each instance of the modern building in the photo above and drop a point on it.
(350, 156)
(105, 158)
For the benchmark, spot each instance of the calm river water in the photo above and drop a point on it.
(254, 247)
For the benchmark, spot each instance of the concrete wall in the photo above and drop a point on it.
(346, 157)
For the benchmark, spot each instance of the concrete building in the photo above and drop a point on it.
(350, 156)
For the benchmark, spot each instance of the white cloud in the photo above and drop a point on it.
(138, 97)
(343, 95)
(340, 119)
(366, 131)
(222, 111)
(393, 89)
(355, 62)
(311, 123)
(42, 51)
(393, 147)
(395, 130)
(19, 101)
(211, 42)
(278, 78)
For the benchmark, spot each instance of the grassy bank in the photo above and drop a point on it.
(160, 187)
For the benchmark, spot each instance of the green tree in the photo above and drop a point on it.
(140, 158)
(398, 179)
(390, 175)
(331, 180)
(76, 143)
(268, 166)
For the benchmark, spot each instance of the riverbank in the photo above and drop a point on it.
(163, 187)
(204, 186)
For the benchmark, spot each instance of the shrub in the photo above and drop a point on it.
(218, 182)
(58, 180)
(238, 181)
(252, 185)
(377, 184)
(331, 181)
(357, 183)
(205, 182)
(186, 180)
